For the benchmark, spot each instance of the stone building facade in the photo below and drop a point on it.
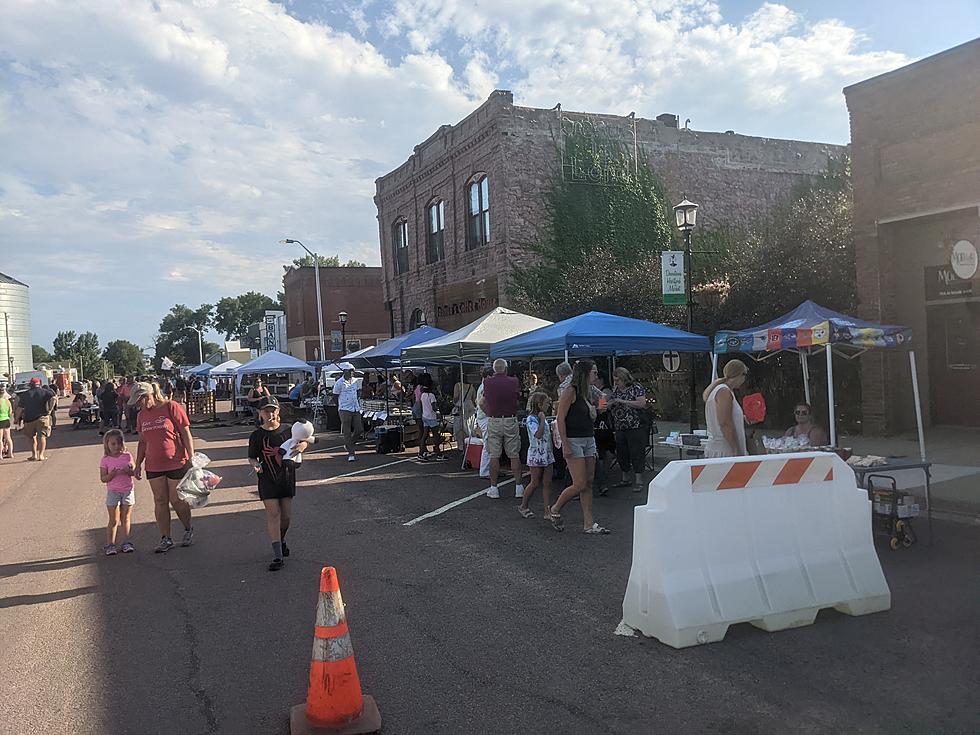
(502, 160)
(915, 142)
(357, 291)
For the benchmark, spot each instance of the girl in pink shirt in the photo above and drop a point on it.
(117, 469)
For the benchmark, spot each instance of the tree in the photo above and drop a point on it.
(176, 340)
(87, 351)
(125, 357)
(234, 314)
(39, 354)
(64, 345)
(327, 261)
(601, 247)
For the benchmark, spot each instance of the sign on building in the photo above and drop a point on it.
(272, 331)
(672, 277)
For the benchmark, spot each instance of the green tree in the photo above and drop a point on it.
(64, 345)
(177, 340)
(125, 357)
(234, 314)
(601, 247)
(87, 351)
(39, 354)
(327, 261)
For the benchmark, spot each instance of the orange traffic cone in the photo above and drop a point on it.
(334, 703)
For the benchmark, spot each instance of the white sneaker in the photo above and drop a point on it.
(351, 458)
(493, 492)
(518, 491)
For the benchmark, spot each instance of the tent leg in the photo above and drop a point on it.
(566, 354)
(832, 416)
(805, 365)
(462, 416)
(918, 406)
(714, 367)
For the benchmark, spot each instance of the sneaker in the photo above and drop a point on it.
(110, 550)
(597, 529)
(493, 492)
(519, 491)
(276, 564)
(165, 545)
(188, 538)
(128, 548)
(351, 458)
(285, 549)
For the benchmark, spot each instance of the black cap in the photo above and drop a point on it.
(269, 402)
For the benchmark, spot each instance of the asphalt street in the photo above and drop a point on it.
(471, 621)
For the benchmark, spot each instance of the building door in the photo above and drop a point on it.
(954, 363)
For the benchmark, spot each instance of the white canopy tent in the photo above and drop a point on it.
(269, 363)
(471, 344)
(225, 369)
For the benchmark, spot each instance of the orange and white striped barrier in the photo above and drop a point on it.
(765, 540)
(334, 702)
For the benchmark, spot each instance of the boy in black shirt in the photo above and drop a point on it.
(277, 480)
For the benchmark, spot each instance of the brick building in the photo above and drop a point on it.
(915, 141)
(354, 290)
(454, 218)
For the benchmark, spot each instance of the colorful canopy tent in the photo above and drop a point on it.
(811, 328)
(271, 362)
(598, 333)
(225, 369)
(471, 344)
(388, 354)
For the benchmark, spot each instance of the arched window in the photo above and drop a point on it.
(399, 245)
(435, 242)
(477, 212)
(417, 320)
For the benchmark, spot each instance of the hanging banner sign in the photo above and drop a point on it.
(672, 277)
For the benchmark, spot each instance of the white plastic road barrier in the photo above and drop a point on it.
(765, 540)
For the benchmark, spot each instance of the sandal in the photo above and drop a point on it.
(557, 521)
(525, 512)
(596, 529)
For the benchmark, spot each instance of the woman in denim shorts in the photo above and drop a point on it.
(576, 429)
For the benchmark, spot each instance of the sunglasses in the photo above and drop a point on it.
(802, 413)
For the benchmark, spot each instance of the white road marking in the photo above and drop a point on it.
(325, 480)
(450, 506)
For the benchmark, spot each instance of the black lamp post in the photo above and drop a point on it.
(686, 214)
(342, 316)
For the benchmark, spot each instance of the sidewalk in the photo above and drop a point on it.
(953, 451)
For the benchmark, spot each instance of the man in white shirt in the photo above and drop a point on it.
(349, 407)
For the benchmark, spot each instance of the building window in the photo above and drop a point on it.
(417, 320)
(353, 345)
(399, 240)
(437, 230)
(478, 212)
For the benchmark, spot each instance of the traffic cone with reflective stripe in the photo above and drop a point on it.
(334, 702)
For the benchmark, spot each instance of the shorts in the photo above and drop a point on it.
(169, 474)
(38, 427)
(5, 424)
(581, 447)
(503, 434)
(431, 423)
(278, 490)
(112, 498)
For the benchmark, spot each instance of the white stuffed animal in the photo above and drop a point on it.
(302, 431)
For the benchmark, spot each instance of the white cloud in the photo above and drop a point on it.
(189, 137)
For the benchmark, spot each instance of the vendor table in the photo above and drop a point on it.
(861, 473)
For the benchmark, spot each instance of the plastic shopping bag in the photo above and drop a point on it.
(196, 486)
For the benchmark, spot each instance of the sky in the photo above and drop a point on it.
(155, 152)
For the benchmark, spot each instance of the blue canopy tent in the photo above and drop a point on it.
(203, 369)
(598, 333)
(388, 354)
(811, 328)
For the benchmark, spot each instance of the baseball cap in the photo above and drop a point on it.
(139, 390)
(35, 380)
(269, 402)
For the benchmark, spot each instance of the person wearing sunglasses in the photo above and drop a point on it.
(805, 426)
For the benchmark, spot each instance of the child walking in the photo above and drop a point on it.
(540, 455)
(117, 469)
(277, 479)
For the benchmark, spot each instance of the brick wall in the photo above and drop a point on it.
(915, 151)
(735, 178)
(358, 291)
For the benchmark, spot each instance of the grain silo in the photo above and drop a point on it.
(15, 327)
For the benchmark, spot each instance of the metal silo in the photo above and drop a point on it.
(15, 327)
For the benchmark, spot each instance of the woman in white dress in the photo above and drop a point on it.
(726, 424)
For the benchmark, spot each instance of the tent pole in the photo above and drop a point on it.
(805, 365)
(714, 367)
(832, 418)
(918, 406)
(566, 354)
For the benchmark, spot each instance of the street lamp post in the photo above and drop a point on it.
(685, 215)
(342, 316)
(316, 276)
(200, 343)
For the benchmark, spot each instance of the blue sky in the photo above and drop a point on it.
(155, 152)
